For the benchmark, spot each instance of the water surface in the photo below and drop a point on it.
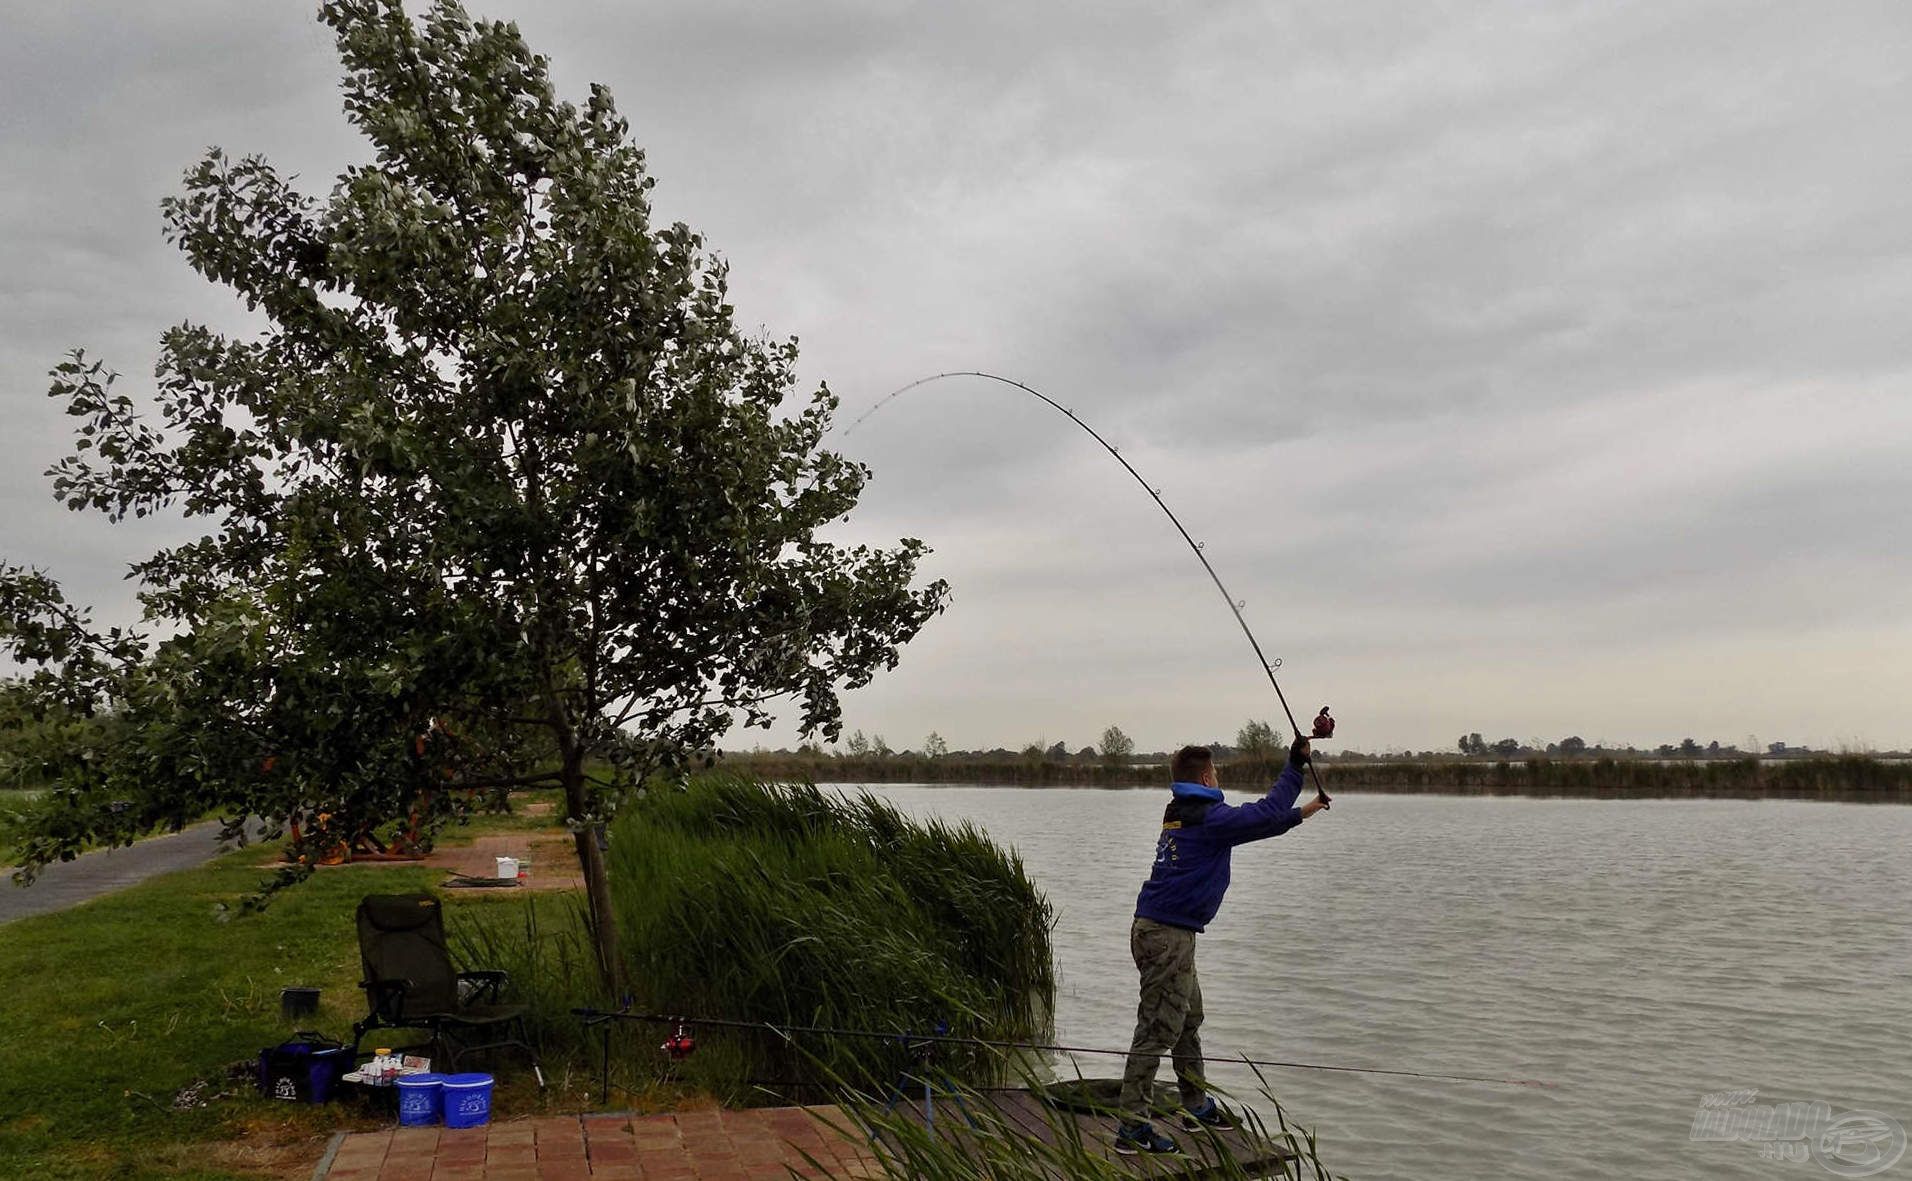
(1640, 954)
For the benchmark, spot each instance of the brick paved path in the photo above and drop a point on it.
(729, 1145)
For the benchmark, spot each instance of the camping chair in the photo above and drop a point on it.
(409, 984)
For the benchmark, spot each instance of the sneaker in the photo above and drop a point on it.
(1208, 1116)
(1140, 1138)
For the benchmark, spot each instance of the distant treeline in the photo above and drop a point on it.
(1852, 778)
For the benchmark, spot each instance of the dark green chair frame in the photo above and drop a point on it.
(410, 984)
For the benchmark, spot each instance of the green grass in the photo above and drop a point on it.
(112, 1007)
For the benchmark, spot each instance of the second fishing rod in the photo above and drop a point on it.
(1324, 727)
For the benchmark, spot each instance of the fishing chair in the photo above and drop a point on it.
(410, 984)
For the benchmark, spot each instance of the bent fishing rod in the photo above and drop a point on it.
(680, 1045)
(1235, 605)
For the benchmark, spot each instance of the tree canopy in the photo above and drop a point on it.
(500, 495)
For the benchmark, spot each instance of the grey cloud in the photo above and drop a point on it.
(1525, 367)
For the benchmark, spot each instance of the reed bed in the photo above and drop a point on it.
(545, 945)
(788, 905)
(974, 1141)
(1844, 778)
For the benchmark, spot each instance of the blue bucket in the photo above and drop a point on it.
(467, 1100)
(420, 1099)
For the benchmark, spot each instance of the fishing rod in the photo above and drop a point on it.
(593, 1016)
(1235, 605)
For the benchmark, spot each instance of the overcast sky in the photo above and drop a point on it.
(1536, 369)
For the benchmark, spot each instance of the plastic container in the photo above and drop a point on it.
(298, 1002)
(467, 1100)
(421, 1099)
(508, 867)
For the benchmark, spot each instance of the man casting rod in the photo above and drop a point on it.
(1234, 605)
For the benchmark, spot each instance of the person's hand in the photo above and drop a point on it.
(1318, 804)
(1298, 754)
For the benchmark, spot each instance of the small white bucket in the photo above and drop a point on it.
(508, 867)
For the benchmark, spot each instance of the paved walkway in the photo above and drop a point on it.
(69, 883)
(762, 1143)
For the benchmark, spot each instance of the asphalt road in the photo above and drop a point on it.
(103, 871)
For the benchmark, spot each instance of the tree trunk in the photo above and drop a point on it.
(597, 887)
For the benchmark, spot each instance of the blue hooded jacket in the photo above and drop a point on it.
(1198, 831)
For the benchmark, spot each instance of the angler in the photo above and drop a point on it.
(1180, 898)
(1185, 887)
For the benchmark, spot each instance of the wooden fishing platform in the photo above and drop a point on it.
(1070, 1127)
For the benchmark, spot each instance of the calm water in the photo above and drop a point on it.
(1640, 954)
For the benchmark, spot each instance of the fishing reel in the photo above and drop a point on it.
(680, 1045)
(1323, 728)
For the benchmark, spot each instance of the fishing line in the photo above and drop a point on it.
(1235, 605)
(592, 1016)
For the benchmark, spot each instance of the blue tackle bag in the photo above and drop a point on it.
(304, 1070)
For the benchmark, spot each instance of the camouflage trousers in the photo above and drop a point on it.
(1169, 1019)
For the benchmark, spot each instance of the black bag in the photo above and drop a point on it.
(304, 1070)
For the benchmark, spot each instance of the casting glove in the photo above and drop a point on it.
(1298, 755)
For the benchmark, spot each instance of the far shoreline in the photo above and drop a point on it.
(1237, 792)
(1853, 779)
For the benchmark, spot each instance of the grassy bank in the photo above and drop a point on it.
(1845, 778)
(112, 1008)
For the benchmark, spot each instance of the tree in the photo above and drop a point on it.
(934, 747)
(1117, 748)
(1258, 741)
(1058, 753)
(880, 748)
(500, 496)
(857, 746)
(1473, 744)
(1507, 747)
(1573, 746)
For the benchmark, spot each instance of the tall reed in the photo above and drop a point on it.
(545, 946)
(787, 905)
(975, 1138)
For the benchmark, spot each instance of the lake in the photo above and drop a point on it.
(1641, 955)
